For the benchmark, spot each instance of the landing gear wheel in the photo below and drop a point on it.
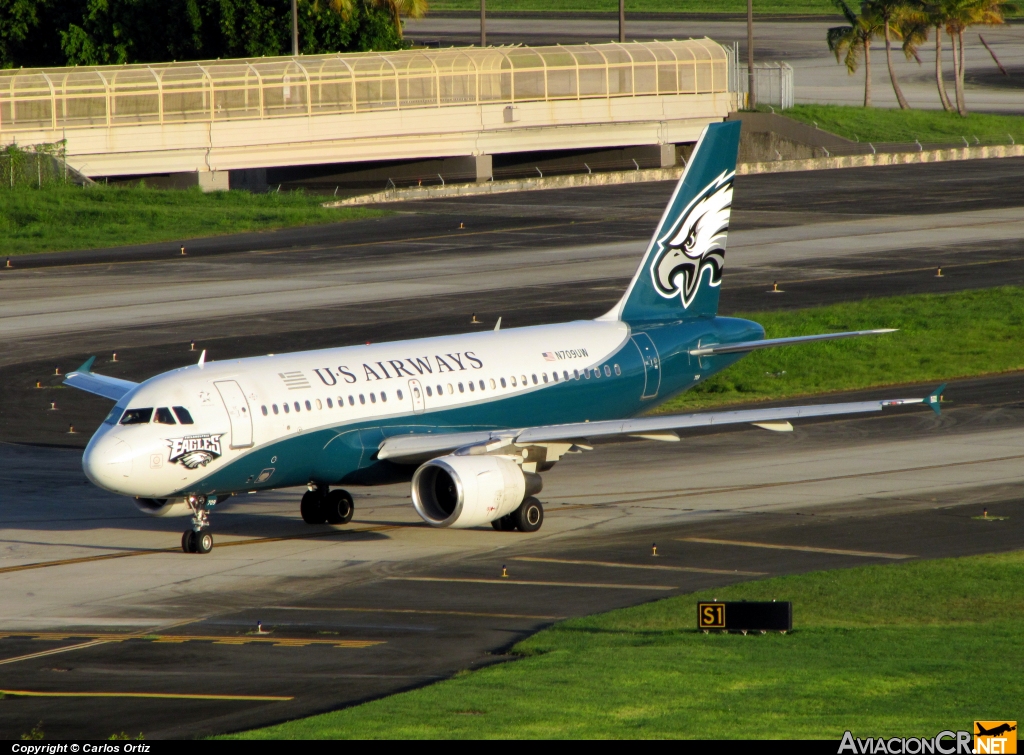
(202, 542)
(504, 524)
(312, 508)
(529, 516)
(186, 541)
(338, 507)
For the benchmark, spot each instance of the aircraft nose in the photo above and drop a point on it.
(107, 462)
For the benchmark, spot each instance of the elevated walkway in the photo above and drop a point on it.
(215, 119)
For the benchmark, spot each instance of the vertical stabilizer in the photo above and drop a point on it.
(682, 268)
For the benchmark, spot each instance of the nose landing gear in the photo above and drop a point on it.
(198, 539)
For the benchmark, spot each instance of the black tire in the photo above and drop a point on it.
(339, 507)
(529, 516)
(202, 542)
(186, 541)
(312, 508)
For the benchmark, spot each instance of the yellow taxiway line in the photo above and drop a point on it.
(531, 583)
(164, 695)
(806, 548)
(658, 567)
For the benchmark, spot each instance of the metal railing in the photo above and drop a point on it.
(773, 82)
(259, 88)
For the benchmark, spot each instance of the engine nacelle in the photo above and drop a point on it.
(468, 491)
(163, 506)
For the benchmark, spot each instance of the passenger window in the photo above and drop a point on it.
(351, 401)
(545, 376)
(330, 405)
(586, 374)
(137, 416)
(264, 410)
(503, 383)
(617, 371)
(308, 407)
(373, 398)
(400, 394)
(554, 375)
(565, 374)
(383, 396)
(575, 374)
(319, 405)
(493, 384)
(362, 399)
(462, 388)
(297, 407)
(607, 371)
(535, 380)
(164, 416)
(450, 389)
(513, 378)
(471, 386)
(482, 386)
(286, 409)
(523, 378)
(430, 391)
(183, 416)
(274, 407)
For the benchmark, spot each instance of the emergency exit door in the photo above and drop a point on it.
(238, 413)
(416, 391)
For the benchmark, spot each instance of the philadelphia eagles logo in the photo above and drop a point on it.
(194, 451)
(695, 243)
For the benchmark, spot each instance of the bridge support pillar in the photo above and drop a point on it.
(213, 180)
(477, 168)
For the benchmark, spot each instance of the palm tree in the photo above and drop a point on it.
(961, 14)
(891, 13)
(933, 10)
(848, 42)
(397, 9)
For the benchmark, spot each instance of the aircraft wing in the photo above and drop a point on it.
(84, 379)
(413, 448)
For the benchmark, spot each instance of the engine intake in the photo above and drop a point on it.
(469, 491)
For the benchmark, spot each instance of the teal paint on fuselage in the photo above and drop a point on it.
(345, 453)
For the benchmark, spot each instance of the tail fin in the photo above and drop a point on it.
(682, 268)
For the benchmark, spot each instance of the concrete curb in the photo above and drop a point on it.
(672, 174)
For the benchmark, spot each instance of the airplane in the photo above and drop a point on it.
(471, 420)
(995, 731)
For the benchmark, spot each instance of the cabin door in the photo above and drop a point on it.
(238, 413)
(652, 364)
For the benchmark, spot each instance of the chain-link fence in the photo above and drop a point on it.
(35, 167)
(773, 82)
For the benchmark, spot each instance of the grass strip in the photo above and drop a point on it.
(895, 650)
(884, 125)
(61, 218)
(941, 336)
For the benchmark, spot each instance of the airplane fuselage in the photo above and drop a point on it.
(320, 416)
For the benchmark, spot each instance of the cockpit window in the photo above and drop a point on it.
(114, 416)
(136, 416)
(164, 416)
(183, 416)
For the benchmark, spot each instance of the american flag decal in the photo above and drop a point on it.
(549, 356)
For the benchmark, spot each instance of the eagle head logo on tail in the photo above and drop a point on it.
(695, 243)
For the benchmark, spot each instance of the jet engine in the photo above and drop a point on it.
(163, 506)
(468, 491)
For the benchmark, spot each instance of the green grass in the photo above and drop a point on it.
(884, 125)
(894, 650)
(761, 7)
(941, 336)
(60, 218)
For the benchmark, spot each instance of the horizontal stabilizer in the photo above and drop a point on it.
(767, 343)
(84, 379)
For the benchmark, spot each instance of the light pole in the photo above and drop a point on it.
(483, 23)
(751, 99)
(622, 20)
(295, 27)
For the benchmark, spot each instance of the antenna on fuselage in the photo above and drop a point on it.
(497, 325)
(202, 359)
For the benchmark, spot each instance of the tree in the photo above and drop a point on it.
(932, 10)
(892, 14)
(395, 9)
(849, 42)
(959, 15)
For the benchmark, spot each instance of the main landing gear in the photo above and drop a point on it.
(321, 506)
(527, 518)
(198, 539)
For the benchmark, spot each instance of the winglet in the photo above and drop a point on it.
(202, 359)
(86, 365)
(934, 398)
